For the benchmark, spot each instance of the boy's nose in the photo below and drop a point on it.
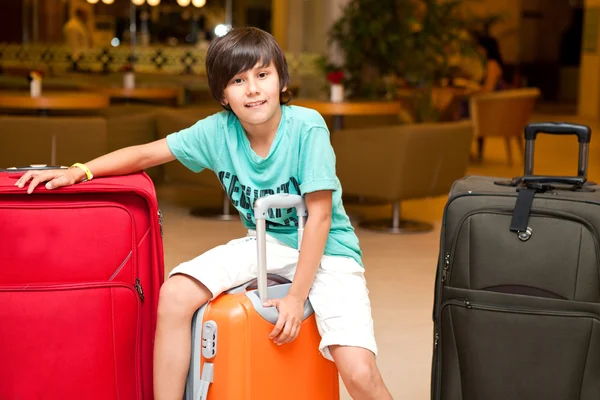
(253, 87)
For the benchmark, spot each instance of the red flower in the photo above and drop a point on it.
(335, 77)
(35, 74)
(126, 68)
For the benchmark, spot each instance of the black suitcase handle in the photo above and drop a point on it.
(584, 135)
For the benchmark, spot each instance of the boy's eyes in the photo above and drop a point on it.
(240, 80)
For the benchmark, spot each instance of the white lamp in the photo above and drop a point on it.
(222, 29)
(107, 1)
(92, 1)
(138, 2)
(198, 3)
(183, 3)
(153, 2)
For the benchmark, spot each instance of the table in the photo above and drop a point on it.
(446, 100)
(141, 93)
(53, 101)
(339, 110)
(48, 101)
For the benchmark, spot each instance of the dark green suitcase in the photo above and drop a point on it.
(517, 292)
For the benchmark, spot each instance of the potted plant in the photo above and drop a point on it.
(336, 79)
(411, 43)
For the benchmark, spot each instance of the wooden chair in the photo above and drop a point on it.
(502, 114)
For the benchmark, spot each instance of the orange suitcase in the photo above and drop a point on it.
(232, 355)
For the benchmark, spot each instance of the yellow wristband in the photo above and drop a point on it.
(85, 169)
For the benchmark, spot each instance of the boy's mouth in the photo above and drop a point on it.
(255, 104)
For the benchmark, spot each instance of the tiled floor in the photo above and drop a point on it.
(400, 269)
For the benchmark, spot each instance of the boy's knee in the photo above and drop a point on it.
(362, 377)
(181, 296)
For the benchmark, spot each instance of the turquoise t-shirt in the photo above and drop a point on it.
(301, 160)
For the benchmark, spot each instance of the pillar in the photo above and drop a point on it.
(589, 75)
(280, 22)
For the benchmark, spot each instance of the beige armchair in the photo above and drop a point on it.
(402, 162)
(174, 120)
(26, 140)
(130, 125)
(502, 114)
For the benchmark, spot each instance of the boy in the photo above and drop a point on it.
(258, 146)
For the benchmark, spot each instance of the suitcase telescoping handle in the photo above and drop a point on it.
(584, 136)
(261, 208)
(34, 167)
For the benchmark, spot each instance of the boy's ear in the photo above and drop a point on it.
(284, 89)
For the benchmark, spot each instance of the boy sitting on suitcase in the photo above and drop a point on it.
(258, 146)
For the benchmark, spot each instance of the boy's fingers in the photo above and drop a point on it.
(285, 335)
(34, 182)
(278, 327)
(295, 334)
(23, 179)
(57, 182)
(38, 178)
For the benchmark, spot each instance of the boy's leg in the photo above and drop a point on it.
(359, 372)
(180, 297)
(340, 298)
(190, 285)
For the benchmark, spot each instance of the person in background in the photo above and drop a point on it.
(494, 68)
(488, 78)
(76, 33)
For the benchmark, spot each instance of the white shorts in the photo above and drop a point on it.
(339, 294)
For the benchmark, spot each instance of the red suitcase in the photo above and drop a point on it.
(80, 272)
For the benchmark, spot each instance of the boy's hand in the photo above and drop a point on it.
(55, 177)
(291, 311)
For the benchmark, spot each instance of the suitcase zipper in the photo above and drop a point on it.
(160, 222)
(466, 303)
(446, 267)
(139, 289)
(449, 259)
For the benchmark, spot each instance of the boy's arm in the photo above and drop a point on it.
(120, 162)
(132, 159)
(316, 231)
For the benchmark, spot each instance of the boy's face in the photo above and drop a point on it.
(253, 95)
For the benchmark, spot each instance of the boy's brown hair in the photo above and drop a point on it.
(240, 50)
